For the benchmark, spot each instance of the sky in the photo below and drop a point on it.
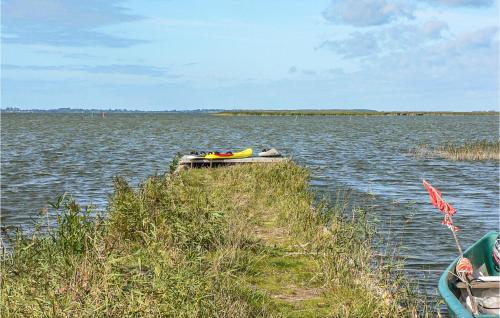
(429, 55)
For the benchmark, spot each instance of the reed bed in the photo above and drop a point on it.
(242, 241)
(481, 150)
(344, 113)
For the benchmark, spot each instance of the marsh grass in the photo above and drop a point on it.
(474, 150)
(333, 112)
(480, 150)
(242, 241)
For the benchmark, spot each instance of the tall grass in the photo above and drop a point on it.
(472, 150)
(479, 150)
(243, 241)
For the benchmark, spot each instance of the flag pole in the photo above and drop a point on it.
(467, 281)
(456, 241)
(449, 210)
(467, 286)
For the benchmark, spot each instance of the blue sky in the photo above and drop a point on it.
(160, 55)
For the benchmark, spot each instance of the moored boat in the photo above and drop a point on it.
(269, 153)
(484, 286)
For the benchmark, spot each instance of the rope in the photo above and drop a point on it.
(464, 269)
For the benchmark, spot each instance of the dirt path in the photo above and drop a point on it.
(288, 272)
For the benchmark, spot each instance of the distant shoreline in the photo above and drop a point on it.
(348, 113)
(98, 111)
(223, 112)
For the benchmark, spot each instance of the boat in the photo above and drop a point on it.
(196, 155)
(269, 153)
(484, 286)
(230, 155)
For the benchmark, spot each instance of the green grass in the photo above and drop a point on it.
(473, 150)
(342, 113)
(242, 241)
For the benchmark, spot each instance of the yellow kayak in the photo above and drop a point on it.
(229, 155)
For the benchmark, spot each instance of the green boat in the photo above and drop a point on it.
(452, 290)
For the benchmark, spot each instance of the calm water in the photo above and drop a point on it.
(43, 155)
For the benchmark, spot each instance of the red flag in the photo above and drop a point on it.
(438, 201)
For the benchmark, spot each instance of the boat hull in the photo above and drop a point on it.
(480, 255)
(237, 155)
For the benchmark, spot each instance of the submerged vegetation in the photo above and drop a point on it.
(473, 150)
(243, 241)
(333, 112)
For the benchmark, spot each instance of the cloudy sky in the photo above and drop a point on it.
(159, 55)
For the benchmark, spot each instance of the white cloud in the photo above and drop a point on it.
(465, 3)
(356, 45)
(64, 22)
(128, 69)
(482, 38)
(434, 28)
(384, 40)
(362, 13)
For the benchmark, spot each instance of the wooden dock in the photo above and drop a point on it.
(185, 162)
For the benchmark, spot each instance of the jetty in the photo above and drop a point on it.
(187, 162)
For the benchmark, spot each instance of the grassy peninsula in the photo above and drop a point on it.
(334, 112)
(243, 241)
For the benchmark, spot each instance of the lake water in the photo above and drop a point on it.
(43, 155)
